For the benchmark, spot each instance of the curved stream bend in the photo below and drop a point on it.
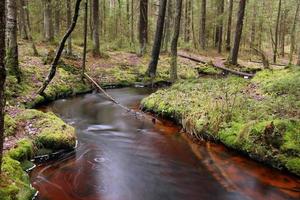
(122, 158)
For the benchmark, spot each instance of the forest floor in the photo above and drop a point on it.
(30, 132)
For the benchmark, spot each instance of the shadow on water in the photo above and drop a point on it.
(121, 157)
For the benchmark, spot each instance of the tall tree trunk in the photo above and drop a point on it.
(293, 33)
(229, 22)
(253, 26)
(173, 70)
(22, 21)
(48, 25)
(57, 19)
(238, 33)
(202, 32)
(298, 60)
(143, 26)
(85, 26)
(276, 33)
(60, 49)
(69, 19)
(168, 25)
(282, 32)
(187, 32)
(12, 60)
(96, 43)
(220, 25)
(132, 22)
(2, 77)
(151, 72)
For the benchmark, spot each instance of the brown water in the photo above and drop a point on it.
(120, 157)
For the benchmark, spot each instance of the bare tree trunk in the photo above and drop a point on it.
(253, 27)
(48, 25)
(229, 22)
(85, 24)
(238, 33)
(2, 77)
(96, 43)
(60, 49)
(293, 33)
(220, 25)
(298, 60)
(187, 33)
(57, 19)
(276, 33)
(151, 72)
(168, 25)
(22, 21)
(12, 56)
(143, 26)
(69, 19)
(203, 25)
(173, 70)
(132, 22)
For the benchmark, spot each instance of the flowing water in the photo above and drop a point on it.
(121, 157)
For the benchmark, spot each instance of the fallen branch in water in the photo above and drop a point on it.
(219, 65)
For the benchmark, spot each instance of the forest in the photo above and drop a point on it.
(149, 99)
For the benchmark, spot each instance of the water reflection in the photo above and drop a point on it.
(121, 157)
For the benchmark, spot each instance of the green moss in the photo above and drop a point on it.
(10, 125)
(293, 165)
(23, 150)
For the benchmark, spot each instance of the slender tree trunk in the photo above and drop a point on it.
(60, 49)
(168, 25)
(173, 70)
(276, 33)
(12, 60)
(293, 33)
(2, 77)
(48, 25)
(132, 22)
(143, 26)
(151, 72)
(253, 27)
(188, 7)
(96, 43)
(238, 33)
(283, 33)
(298, 60)
(229, 22)
(202, 37)
(22, 21)
(69, 19)
(57, 19)
(220, 25)
(90, 13)
(85, 24)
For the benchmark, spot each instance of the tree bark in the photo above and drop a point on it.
(202, 37)
(69, 19)
(60, 49)
(57, 19)
(12, 57)
(229, 22)
(173, 70)
(2, 76)
(293, 33)
(253, 27)
(85, 24)
(143, 26)
(151, 72)
(220, 25)
(238, 33)
(168, 25)
(23, 22)
(187, 32)
(298, 60)
(96, 42)
(48, 25)
(276, 33)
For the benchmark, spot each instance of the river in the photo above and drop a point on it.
(124, 157)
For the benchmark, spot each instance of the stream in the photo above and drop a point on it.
(122, 157)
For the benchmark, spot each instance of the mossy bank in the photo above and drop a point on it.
(259, 117)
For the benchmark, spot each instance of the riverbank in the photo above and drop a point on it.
(258, 117)
(30, 133)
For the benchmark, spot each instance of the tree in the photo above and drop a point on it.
(48, 25)
(151, 72)
(2, 77)
(60, 49)
(143, 25)
(187, 32)
(202, 36)
(238, 33)
(220, 25)
(276, 33)
(95, 14)
(293, 32)
(22, 21)
(229, 22)
(57, 8)
(12, 60)
(84, 39)
(173, 70)
(69, 19)
(298, 60)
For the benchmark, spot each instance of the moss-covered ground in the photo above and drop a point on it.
(259, 117)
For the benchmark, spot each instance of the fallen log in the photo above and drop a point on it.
(274, 64)
(216, 65)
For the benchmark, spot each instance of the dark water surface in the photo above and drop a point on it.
(120, 157)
